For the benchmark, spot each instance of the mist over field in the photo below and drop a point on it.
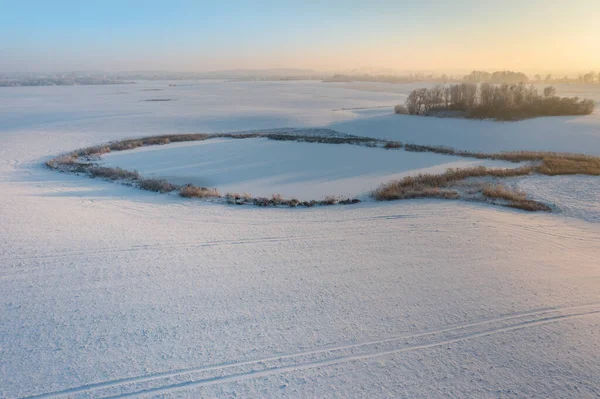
(276, 200)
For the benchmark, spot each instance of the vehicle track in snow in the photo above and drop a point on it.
(165, 382)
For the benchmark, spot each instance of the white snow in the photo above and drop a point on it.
(576, 196)
(107, 290)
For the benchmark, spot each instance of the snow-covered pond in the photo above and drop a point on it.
(304, 171)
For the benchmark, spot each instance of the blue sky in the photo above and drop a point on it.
(197, 35)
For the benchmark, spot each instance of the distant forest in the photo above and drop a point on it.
(498, 77)
(100, 78)
(60, 81)
(492, 101)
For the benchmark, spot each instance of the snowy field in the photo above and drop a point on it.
(109, 291)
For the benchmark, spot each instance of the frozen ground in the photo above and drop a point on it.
(108, 290)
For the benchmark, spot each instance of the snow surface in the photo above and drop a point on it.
(576, 196)
(107, 290)
(305, 171)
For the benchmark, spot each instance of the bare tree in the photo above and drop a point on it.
(519, 93)
(434, 97)
(589, 77)
(416, 101)
(531, 94)
(549, 91)
(446, 97)
(470, 94)
(486, 94)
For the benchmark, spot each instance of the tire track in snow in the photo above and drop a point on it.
(164, 382)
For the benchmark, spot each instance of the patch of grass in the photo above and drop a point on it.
(438, 185)
(191, 191)
(125, 145)
(157, 185)
(113, 173)
(89, 151)
(238, 199)
(569, 166)
(444, 186)
(393, 191)
(430, 148)
(498, 191)
(529, 205)
(62, 160)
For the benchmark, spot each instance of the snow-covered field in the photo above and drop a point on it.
(109, 291)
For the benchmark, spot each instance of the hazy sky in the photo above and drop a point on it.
(327, 35)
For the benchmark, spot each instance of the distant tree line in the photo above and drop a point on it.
(408, 78)
(510, 77)
(498, 77)
(60, 81)
(502, 102)
(588, 78)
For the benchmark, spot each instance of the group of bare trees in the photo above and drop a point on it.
(462, 95)
(499, 101)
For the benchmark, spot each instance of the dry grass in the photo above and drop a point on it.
(430, 148)
(62, 160)
(157, 185)
(498, 191)
(438, 185)
(551, 163)
(113, 173)
(569, 166)
(89, 151)
(392, 191)
(125, 145)
(529, 205)
(516, 199)
(443, 186)
(191, 191)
